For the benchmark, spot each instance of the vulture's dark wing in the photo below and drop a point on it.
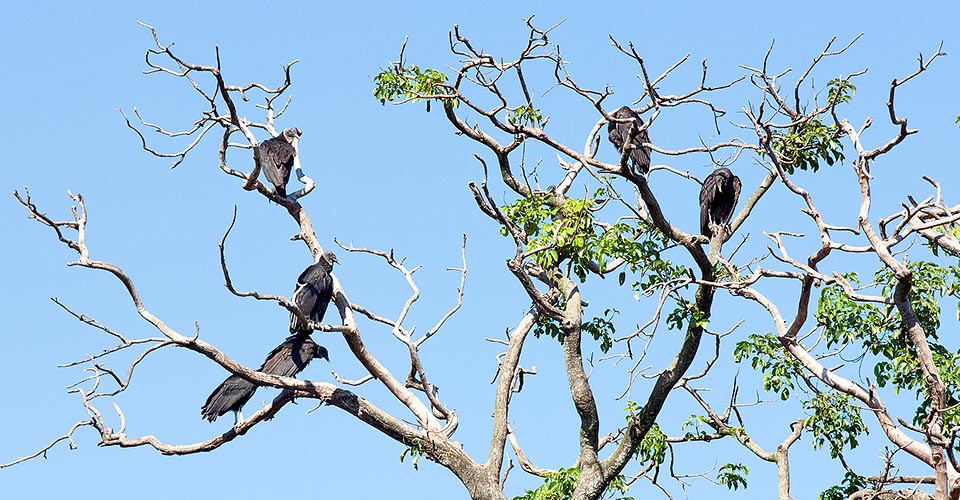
(231, 395)
(708, 194)
(619, 132)
(313, 293)
(276, 157)
(290, 357)
(735, 198)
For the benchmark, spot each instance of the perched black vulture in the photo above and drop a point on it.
(313, 292)
(276, 158)
(288, 359)
(619, 132)
(718, 198)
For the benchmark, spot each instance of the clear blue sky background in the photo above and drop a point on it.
(388, 178)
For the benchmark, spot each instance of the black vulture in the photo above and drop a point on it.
(288, 359)
(619, 132)
(718, 198)
(276, 159)
(313, 292)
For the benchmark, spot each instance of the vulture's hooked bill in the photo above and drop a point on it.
(718, 198)
(287, 359)
(313, 292)
(277, 158)
(619, 132)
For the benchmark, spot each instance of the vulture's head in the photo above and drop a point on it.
(321, 352)
(329, 259)
(291, 134)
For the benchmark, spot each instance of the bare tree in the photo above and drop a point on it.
(565, 245)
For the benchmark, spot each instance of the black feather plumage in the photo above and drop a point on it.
(287, 359)
(618, 133)
(277, 159)
(718, 197)
(313, 292)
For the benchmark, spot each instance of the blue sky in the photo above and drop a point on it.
(387, 178)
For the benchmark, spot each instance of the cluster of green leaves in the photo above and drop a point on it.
(733, 476)
(835, 422)
(566, 231)
(806, 144)
(686, 312)
(653, 446)
(413, 84)
(695, 422)
(846, 321)
(948, 364)
(852, 483)
(878, 328)
(525, 115)
(929, 286)
(600, 328)
(560, 485)
(840, 91)
(952, 230)
(632, 409)
(416, 450)
(766, 354)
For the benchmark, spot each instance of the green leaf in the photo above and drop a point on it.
(525, 115)
(852, 483)
(653, 446)
(733, 476)
(835, 422)
(806, 144)
(411, 84)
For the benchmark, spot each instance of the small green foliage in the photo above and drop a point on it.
(948, 364)
(840, 91)
(694, 422)
(558, 232)
(557, 486)
(835, 422)
(525, 115)
(684, 312)
(416, 450)
(560, 485)
(654, 273)
(844, 320)
(929, 285)
(851, 484)
(618, 485)
(952, 230)
(548, 327)
(805, 145)
(413, 84)
(766, 354)
(600, 328)
(528, 213)
(653, 446)
(879, 330)
(632, 410)
(733, 476)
